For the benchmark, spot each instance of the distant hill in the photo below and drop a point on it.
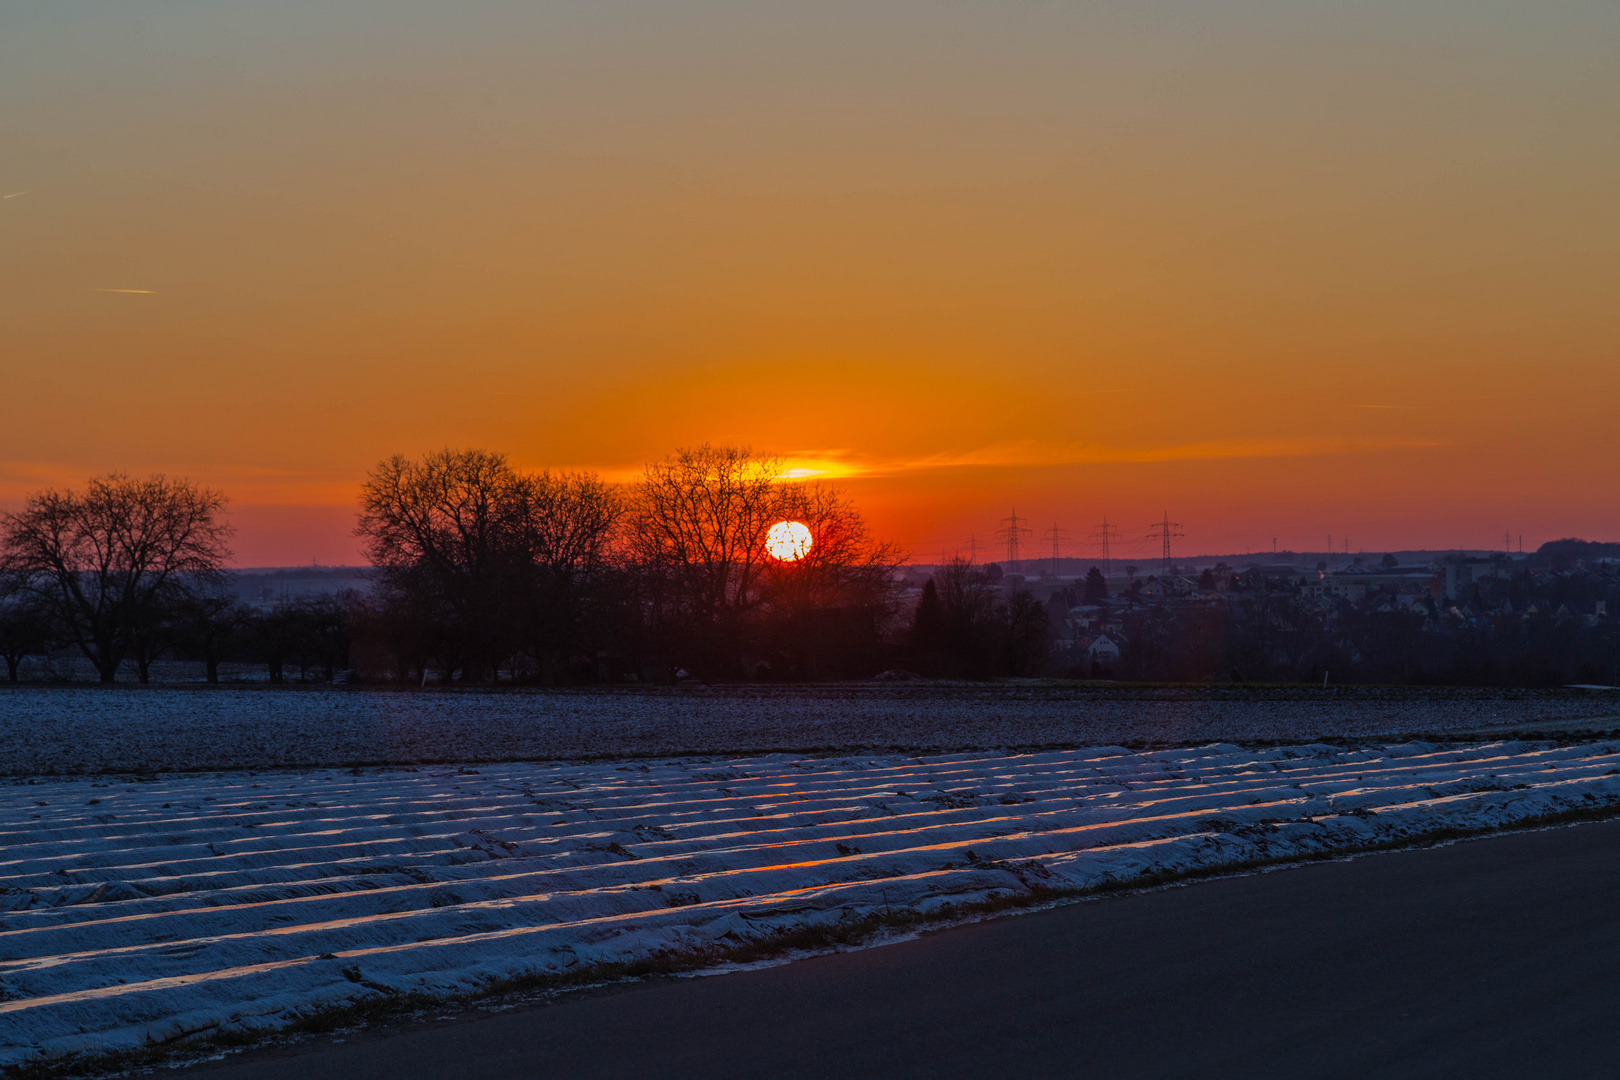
(1568, 551)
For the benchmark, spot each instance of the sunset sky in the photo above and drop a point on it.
(1281, 268)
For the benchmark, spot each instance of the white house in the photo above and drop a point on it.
(1103, 648)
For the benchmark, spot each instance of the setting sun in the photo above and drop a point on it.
(788, 541)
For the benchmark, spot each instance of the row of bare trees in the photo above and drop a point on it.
(479, 567)
(482, 566)
(478, 563)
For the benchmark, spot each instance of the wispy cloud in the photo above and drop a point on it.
(17, 194)
(139, 292)
(845, 464)
(1380, 406)
(833, 465)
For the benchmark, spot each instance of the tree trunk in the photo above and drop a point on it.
(97, 652)
(213, 669)
(12, 664)
(143, 661)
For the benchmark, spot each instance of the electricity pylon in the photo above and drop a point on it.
(1165, 530)
(1103, 534)
(1012, 531)
(1055, 535)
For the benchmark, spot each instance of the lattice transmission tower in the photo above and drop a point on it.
(1103, 534)
(1165, 531)
(1012, 531)
(1056, 536)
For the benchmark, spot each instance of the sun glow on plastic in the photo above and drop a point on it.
(788, 541)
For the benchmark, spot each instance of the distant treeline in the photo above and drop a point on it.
(482, 572)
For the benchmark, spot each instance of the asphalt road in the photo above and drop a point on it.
(1493, 957)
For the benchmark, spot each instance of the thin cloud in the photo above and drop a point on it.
(17, 194)
(1030, 453)
(847, 465)
(1380, 406)
(138, 292)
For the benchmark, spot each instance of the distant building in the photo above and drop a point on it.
(1355, 583)
(1463, 574)
(1103, 648)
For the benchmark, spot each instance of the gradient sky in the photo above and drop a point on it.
(1279, 267)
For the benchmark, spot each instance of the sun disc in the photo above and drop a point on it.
(788, 541)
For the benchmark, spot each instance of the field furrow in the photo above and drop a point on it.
(139, 910)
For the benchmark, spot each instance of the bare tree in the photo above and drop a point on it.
(440, 531)
(565, 520)
(838, 599)
(967, 618)
(698, 528)
(104, 562)
(1023, 623)
(485, 559)
(25, 625)
(565, 523)
(206, 620)
(845, 563)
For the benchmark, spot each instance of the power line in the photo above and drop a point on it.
(1012, 531)
(1165, 530)
(1102, 534)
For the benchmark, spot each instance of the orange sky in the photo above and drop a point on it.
(1279, 269)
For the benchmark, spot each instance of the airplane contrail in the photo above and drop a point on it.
(14, 194)
(143, 292)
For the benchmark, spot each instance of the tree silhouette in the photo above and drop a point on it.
(926, 626)
(25, 624)
(107, 563)
(1096, 587)
(485, 560)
